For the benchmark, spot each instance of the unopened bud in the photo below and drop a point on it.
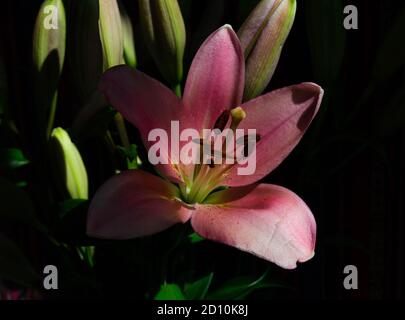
(50, 36)
(262, 38)
(97, 41)
(163, 26)
(110, 33)
(70, 171)
(49, 43)
(127, 37)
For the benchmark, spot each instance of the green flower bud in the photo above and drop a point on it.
(110, 33)
(50, 35)
(127, 37)
(49, 42)
(70, 171)
(262, 37)
(165, 35)
(97, 41)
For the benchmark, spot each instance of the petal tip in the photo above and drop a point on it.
(294, 265)
(308, 257)
(313, 87)
(231, 32)
(227, 26)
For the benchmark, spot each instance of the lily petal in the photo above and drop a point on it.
(134, 204)
(281, 118)
(215, 81)
(148, 105)
(268, 221)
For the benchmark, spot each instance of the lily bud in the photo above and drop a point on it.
(49, 43)
(68, 165)
(50, 35)
(262, 38)
(97, 40)
(163, 27)
(110, 33)
(127, 37)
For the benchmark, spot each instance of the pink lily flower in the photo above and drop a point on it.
(266, 220)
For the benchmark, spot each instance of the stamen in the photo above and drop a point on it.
(237, 114)
(208, 175)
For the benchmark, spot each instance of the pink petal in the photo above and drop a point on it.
(268, 221)
(134, 204)
(215, 81)
(147, 104)
(281, 118)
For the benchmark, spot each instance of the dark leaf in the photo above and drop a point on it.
(198, 289)
(68, 206)
(12, 158)
(16, 206)
(14, 266)
(170, 292)
(195, 238)
(241, 287)
(71, 228)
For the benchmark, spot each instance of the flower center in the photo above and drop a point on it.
(211, 171)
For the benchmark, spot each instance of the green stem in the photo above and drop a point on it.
(177, 89)
(122, 131)
(51, 117)
(109, 142)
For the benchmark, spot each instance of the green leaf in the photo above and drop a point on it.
(13, 264)
(170, 292)
(198, 289)
(16, 206)
(195, 238)
(71, 227)
(130, 155)
(241, 287)
(68, 206)
(12, 158)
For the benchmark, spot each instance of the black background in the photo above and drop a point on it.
(349, 168)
